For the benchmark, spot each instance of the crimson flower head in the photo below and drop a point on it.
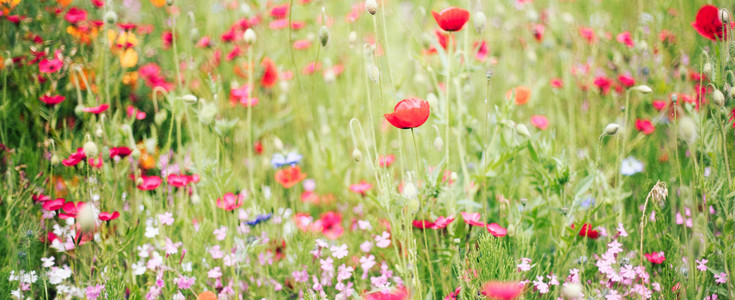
(473, 219)
(52, 100)
(150, 183)
(498, 290)
(655, 257)
(644, 126)
(588, 231)
(423, 224)
(75, 158)
(708, 23)
(270, 73)
(289, 176)
(409, 113)
(230, 202)
(52, 205)
(105, 216)
(451, 18)
(361, 188)
(496, 230)
(97, 109)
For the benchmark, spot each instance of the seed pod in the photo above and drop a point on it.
(160, 117)
(718, 98)
(479, 20)
(356, 155)
(371, 6)
(324, 35)
(521, 129)
(611, 129)
(249, 36)
(110, 17)
(90, 149)
(724, 16)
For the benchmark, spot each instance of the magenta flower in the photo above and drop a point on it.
(230, 202)
(473, 219)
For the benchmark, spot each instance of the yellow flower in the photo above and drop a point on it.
(8, 5)
(129, 58)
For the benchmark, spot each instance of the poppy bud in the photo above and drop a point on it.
(611, 129)
(125, 128)
(453, 176)
(249, 36)
(195, 199)
(169, 2)
(373, 73)
(521, 129)
(277, 144)
(55, 159)
(707, 69)
(87, 218)
(479, 21)
(135, 154)
(194, 35)
(643, 89)
(410, 191)
(524, 201)
(413, 205)
(150, 145)
(731, 93)
(78, 110)
(189, 99)
(352, 37)
(90, 149)
(371, 6)
(159, 117)
(718, 98)
(688, 130)
(207, 113)
(438, 143)
(724, 16)
(138, 181)
(99, 132)
(324, 35)
(8, 62)
(105, 151)
(111, 17)
(356, 155)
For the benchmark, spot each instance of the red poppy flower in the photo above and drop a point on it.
(258, 147)
(134, 112)
(451, 18)
(659, 104)
(52, 205)
(36, 197)
(588, 34)
(280, 11)
(496, 230)
(98, 3)
(71, 209)
(644, 126)
(361, 188)
(588, 231)
(289, 176)
(540, 122)
(538, 32)
(625, 38)
(387, 160)
(179, 180)
(244, 95)
(310, 68)
(120, 151)
(301, 44)
(603, 83)
(330, 224)
(230, 202)
(423, 224)
(96, 162)
(400, 293)
(150, 183)
(105, 216)
(655, 257)
(270, 73)
(97, 109)
(497, 290)
(626, 80)
(442, 222)
(708, 23)
(52, 100)
(473, 219)
(409, 113)
(75, 15)
(481, 54)
(522, 93)
(556, 83)
(75, 158)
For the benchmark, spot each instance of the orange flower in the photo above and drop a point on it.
(161, 3)
(64, 3)
(89, 74)
(8, 5)
(208, 295)
(290, 176)
(523, 94)
(84, 34)
(131, 79)
(129, 58)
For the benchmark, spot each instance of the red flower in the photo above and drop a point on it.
(655, 257)
(280, 11)
(399, 293)
(52, 100)
(97, 109)
(708, 23)
(588, 231)
(409, 113)
(230, 202)
(75, 158)
(105, 216)
(626, 80)
(289, 176)
(149, 183)
(659, 104)
(626, 39)
(134, 112)
(270, 73)
(423, 224)
(98, 3)
(451, 18)
(50, 66)
(75, 15)
(330, 224)
(361, 188)
(71, 209)
(442, 222)
(258, 147)
(540, 122)
(502, 290)
(52, 205)
(557, 83)
(496, 230)
(588, 34)
(120, 151)
(538, 32)
(473, 219)
(644, 126)
(481, 54)
(387, 160)
(603, 83)
(37, 197)
(179, 180)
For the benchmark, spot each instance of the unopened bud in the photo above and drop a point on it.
(611, 129)
(125, 128)
(373, 73)
(438, 143)
(643, 89)
(135, 154)
(169, 2)
(194, 35)
(8, 62)
(323, 35)
(86, 218)
(356, 155)
(409, 191)
(352, 37)
(371, 6)
(524, 201)
(111, 17)
(207, 113)
(707, 69)
(189, 99)
(688, 130)
(90, 149)
(249, 36)
(724, 16)
(55, 159)
(718, 98)
(572, 291)
(521, 129)
(479, 21)
(160, 117)
(277, 144)
(195, 199)
(99, 132)
(78, 110)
